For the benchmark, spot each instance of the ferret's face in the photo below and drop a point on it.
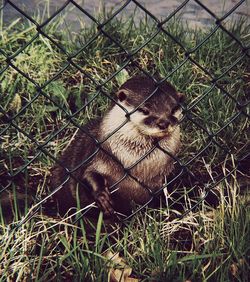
(156, 124)
(159, 115)
(153, 123)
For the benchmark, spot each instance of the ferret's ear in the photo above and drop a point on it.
(122, 95)
(181, 97)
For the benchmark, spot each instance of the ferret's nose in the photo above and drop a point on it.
(162, 124)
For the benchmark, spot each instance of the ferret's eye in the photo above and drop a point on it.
(173, 119)
(175, 109)
(149, 120)
(145, 111)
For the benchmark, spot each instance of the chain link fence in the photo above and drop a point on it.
(24, 168)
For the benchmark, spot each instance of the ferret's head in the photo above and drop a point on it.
(159, 115)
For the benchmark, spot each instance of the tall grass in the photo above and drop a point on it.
(212, 244)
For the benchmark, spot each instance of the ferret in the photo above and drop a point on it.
(120, 159)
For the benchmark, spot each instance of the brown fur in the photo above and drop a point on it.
(121, 150)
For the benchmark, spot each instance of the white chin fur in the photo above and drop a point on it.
(155, 132)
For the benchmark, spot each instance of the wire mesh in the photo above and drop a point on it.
(11, 176)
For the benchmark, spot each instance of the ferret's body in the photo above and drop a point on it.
(125, 158)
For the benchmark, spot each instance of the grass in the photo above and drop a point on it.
(212, 244)
(207, 244)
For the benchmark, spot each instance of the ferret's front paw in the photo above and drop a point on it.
(104, 202)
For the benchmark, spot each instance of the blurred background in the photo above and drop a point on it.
(193, 13)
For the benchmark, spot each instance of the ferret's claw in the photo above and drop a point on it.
(105, 203)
